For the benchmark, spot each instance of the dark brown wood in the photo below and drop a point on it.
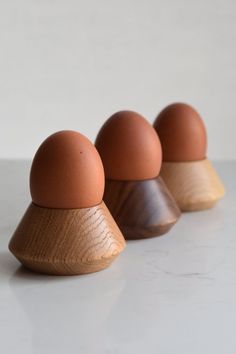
(141, 209)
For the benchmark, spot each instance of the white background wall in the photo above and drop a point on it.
(69, 64)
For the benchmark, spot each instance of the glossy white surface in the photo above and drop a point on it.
(175, 294)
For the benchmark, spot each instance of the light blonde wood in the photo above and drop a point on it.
(194, 185)
(67, 241)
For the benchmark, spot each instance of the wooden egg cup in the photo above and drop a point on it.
(67, 241)
(194, 185)
(142, 209)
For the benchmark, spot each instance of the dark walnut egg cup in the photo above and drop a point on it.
(134, 193)
(142, 209)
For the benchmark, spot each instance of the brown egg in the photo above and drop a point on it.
(67, 172)
(182, 133)
(129, 147)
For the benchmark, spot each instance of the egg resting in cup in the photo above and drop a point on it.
(67, 229)
(135, 194)
(186, 170)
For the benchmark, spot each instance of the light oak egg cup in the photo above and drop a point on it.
(67, 229)
(187, 172)
(142, 209)
(194, 185)
(67, 241)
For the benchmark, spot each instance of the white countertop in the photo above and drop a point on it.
(175, 294)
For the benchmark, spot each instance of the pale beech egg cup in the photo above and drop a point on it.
(187, 172)
(135, 194)
(67, 229)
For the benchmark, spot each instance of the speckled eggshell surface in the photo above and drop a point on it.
(67, 172)
(129, 147)
(182, 133)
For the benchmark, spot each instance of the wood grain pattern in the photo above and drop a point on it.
(194, 185)
(141, 209)
(67, 241)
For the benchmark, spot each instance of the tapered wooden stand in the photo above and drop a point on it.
(67, 241)
(194, 185)
(141, 209)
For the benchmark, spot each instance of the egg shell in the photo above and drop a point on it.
(67, 172)
(182, 133)
(129, 147)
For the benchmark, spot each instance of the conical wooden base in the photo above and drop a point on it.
(194, 185)
(141, 209)
(67, 241)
